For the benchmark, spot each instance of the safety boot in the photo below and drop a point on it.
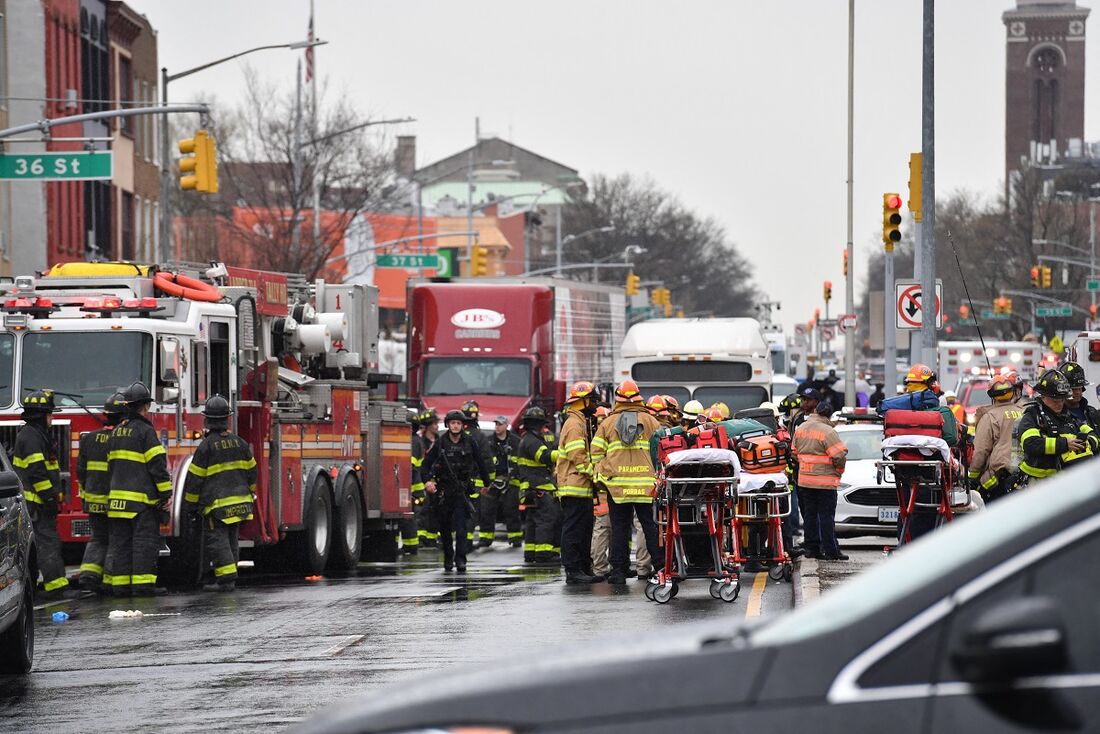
(580, 577)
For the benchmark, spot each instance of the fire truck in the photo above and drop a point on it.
(297, 361)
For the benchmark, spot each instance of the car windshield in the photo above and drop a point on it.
(976, 395)
(7, 359)
(477, 376)
(863, 443)
(737, 397)
(921, 563)
(107, 361)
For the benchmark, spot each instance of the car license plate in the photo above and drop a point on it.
(887, 514)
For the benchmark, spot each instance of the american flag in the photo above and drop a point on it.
(309, 51)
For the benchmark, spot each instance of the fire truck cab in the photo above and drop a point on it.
(296, 360)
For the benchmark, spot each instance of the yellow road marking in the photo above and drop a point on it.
(756, 596)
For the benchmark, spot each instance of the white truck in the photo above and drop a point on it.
(709, 360)
(1085, 350)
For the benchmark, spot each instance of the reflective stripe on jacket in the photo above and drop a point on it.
(625, 469)
(533, 464)
(574, 468)
(416, 458)
(222, 478)
(91, 470)
(137, 466)
(993, 443)
(34, 458)
(1044, 440)
(820, 452)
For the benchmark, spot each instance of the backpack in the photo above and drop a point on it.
(670, 444)
(923, 400)
(763, 454)
(913, 423)
(710, 438)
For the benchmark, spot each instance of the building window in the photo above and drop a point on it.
(126, 226)
(125, 87)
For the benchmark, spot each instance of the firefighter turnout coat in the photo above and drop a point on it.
(994, 444)
(624, 467)
(1044, 439)
(574, 468)
(533, 464)
(35, 461)
(820, 453)
(137, 465)
(91, 470)
(221, 480)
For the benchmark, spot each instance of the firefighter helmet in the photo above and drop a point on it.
(919, 377)
(471, 409)
(627, 392)
(602, 412)
(724, 408)
(1012, 376)
(428, 416)
(217, 408)
(1053, 384)
(115, 405)
(1001, 389)
(790, 403)
(137, 394)
(580, 391)
(39, 401)
(657, 404)
(713, 414)
(413, 417)
(454, 415)
(671, 402)
(1075, 374)
(692, 409)
(772, 407)
(534, 414)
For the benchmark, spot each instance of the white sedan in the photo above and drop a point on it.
(863, 506)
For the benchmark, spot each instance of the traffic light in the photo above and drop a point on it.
(199, 164)
(632, 282)
(661, 297)
(964, 312)
(845, 262)
(828, 291)
(999, 304)
(891, 220)
(479, 261)
(1092, 311)
(817, 316)
(1045, 272)
(1006, 305)
(1035, 276)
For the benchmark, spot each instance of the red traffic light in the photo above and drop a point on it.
(893, 201)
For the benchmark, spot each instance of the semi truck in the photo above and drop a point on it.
(510, 343)
(298, 362)
(710, 360)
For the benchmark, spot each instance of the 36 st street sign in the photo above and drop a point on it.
(74, 166)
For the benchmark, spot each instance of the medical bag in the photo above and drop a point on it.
(913, 423)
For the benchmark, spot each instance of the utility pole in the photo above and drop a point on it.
(849, 280)
(316, 179)
(296, 173)
(928, 189)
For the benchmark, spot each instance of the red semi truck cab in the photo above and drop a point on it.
(509, 344)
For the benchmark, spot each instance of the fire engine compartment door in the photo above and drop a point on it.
(213, 356)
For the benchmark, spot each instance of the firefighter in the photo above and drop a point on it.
(658, 408)
(601, 530)
(503, 494)
(574, 479)
(991, 465)
(620, 454)
(534, 464)
(410, 536)
(471, 411)
(427, 526)
(35, 457)
(920, 378)
(91, 473)
(452, 465)
(140, 492)
(1051, 438)
(220, 492)
(673, 406)
(1076, 402)
(689, 416)
(956, 408)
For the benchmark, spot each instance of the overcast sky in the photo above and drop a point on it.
(737, 107)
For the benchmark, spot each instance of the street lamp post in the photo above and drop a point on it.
(165, 170)
(562, 242)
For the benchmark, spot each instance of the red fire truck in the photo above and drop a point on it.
(510, 343)
(297, 361)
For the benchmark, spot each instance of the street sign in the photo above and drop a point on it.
(413, 262)
(849, 322)
(827, 333)
(992, 316)
(1054, 311)
(74, 166)
(909, 308)
(827, 323)
(1092, 285)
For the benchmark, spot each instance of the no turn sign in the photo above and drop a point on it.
(910, 304)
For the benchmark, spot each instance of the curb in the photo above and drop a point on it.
(805, 584)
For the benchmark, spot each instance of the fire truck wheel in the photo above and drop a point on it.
(314, 543)
(347, 537)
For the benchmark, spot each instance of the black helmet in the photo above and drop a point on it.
(471, 409)
(454, 415)
(39, 401)
(217, 408)
(115, 405)
(428, 417)
(1075, 373)
(1053, 384)
(534, 414)
(137, 394)
(413, 416)
(790, 403)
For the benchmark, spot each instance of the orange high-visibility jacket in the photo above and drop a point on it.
(820, 453)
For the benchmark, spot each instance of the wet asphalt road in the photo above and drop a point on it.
(282, 647)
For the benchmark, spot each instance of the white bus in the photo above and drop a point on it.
(710, 360)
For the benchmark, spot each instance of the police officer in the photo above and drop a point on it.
(221, 490)
(1050, 437)
(534, 462)
(503, 494)
(91, 473)
(453, 464)
(1076, 402)
(471, 413)
(410, 537)
(991, 467)
(140, 492)
(35, 460)
(427, 524)
(574, 479)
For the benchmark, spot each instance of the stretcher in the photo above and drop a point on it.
(763, 500)
(926, 474)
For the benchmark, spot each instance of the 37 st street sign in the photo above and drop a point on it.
(74, 166)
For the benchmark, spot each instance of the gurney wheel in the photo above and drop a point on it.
(716, 589)
(675, 589)
(776, 572)
(649, 588)
(788, 572)
(729, 592)
(663, 594)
